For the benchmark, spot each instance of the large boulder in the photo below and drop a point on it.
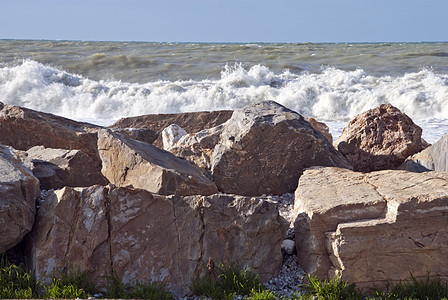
(18, 192)
(23, 128)
(433, 158)
(379, 139)
(56, 168)
(128, 162)
(192, 122)
(372, 228)
(142, 236)
(264, 148)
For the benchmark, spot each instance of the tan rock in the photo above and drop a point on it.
(18, 192)
(379, 139)
(264, 148)
(373, 228)
(433, 158)
(72, 231)
(127, 162)
(153, 237)
(23, 128)
(56, 168)
(321, 127)
(192, 122)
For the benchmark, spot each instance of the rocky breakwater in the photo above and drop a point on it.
(372, 228)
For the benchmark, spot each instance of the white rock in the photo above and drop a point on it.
(170, 136)
(288, 246)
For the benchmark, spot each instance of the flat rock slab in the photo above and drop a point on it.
(372, 228)
(128, 162)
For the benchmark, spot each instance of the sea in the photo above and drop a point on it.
(101, 82)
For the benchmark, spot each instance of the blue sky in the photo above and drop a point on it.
(226, 20)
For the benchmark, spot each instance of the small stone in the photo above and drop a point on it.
(288, 246)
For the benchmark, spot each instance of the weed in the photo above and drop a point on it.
(16, 282)
(151, 290)
(332, 289)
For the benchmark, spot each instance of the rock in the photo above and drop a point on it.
(289, 246)
(264, 148)
(380, 139)
(321, 127)
(191, 122)
(433, 158)
(143, 236)
(72, 231)
(23, 128)
(139, 134)
(372, 228)
(196, 147)
(18, 192)
(128, 162)
(171, 135)
(56, 168)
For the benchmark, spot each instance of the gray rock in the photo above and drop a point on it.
(18, 192)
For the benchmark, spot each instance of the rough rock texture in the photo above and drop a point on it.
(192, 122)
(380, 138)
(128, 162)
(23, 128)
(171, 135)
(139, 134)
(18, 192)
(321, 127)
(264, 148)
(433, 158)
(196, 147)
(153, 237)
(56, 168)
(372, 228)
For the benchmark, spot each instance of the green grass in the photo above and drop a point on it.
(16, 282)
(225, 282)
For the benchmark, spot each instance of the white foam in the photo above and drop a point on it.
(333, 95)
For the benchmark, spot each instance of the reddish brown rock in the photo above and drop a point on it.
(143, 237)
(372, 228)
(321, 127)
(192, 122)
(264, 148)
(18, 192)
(128, 162)
(379, 139)
(23, 128)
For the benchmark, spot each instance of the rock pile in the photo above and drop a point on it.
(222, 188)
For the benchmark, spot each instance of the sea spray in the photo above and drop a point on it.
(333, 95)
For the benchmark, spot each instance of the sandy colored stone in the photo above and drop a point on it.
(18, 192)
(380, 138)
(264, 148)
(142, 236)
(321, 127)
(128, 162)
(373, 228)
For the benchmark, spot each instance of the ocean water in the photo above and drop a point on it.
(100, 82)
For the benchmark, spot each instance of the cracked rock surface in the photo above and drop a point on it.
(166, 238)
(372, 228)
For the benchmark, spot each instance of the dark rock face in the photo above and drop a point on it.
(380, 139)
(264, 148)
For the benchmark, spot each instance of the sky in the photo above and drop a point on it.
(226, 20)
